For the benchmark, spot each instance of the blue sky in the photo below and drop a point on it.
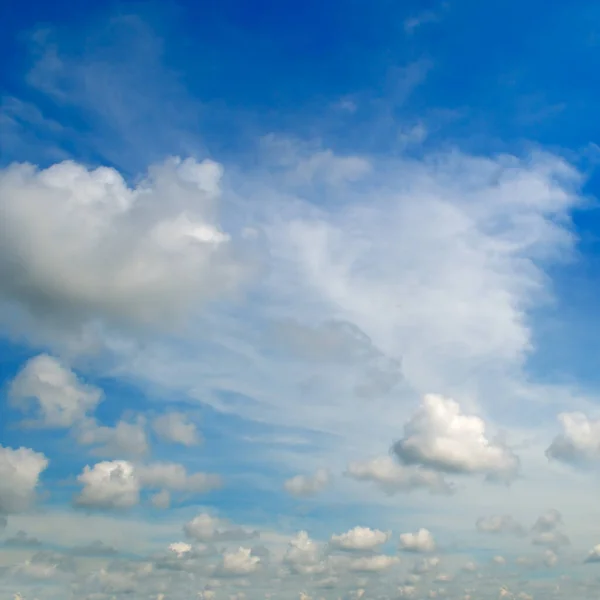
(299, 300)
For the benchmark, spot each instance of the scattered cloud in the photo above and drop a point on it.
(176, 428)
(440, 437)
(421, 541)
(304, 485)
(53, 393)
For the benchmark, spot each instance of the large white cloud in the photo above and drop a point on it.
(440, 436)
(81, 245)
(56, 395)
(118, 483)
(20, 471)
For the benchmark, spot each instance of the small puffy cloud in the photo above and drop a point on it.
(593, 555)
(392, 478)
(373, 564)
(173, 476)
(20, 471)
(240, 562)
(176, 428)
(125, 439)
(52, 393)
(579, 441)
(80, 244)
(499, 524)
(421, 541)
(180, 548)
(440, 437)
(360, 538)
(304, 485)
(499, 560)
(109, 484)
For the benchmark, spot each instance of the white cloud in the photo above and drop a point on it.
(439, 436)
(20, 471)
(304, 555)
(374, 564)
(80, 245)
(173, 476)
(177, 428)
(499, 524)
(421, 541)
(241, 562)
(360, 538)
(125, 439)
(180, 548)
(305, 485)
(202, 527)
(109, 485)
(392, 477)
(579, 441)
(58, 397)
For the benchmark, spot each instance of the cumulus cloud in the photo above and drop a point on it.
(308, 485)
(439, 436)
(241, 562)
(499, 524)
(580, 440)
(392, 478)
(82, 245)
(304, 555)
(20, 471)
(52, 393)
(360, 538)
(546, 530)
(109, 484)
(373, 564)
(421, 541)
(176, 428)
